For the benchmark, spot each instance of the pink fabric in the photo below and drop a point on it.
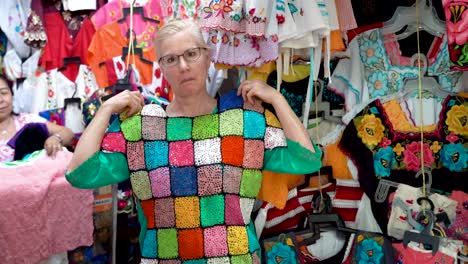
(345, 12)
(459, 229)
(42, 214)
(6, 152)
(411, 256)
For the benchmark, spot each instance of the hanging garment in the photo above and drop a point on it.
(61, 45)
(107, 44)
(457, 20)
(344, 8)
(413, 255)
(6, 152)
(368, 73)
(181, 9)
(398, 221)
(144, 29)
(378, 151)
(48, 215)
(459, 229)
(13, 24)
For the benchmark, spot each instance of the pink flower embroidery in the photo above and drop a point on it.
(385, 142)
(457, 21)
(412, 156)
(452, 138)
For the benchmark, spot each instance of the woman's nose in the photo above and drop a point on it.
(183, 64)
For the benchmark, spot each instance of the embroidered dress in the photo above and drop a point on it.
(381, 152)
(456, 19)
(196, 178)
(369, 74)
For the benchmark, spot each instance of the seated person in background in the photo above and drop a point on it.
(11, 123)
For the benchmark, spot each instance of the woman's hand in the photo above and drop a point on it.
(127, 101)
(253, 90)
(52, 145)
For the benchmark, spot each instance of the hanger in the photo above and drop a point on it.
(333, 219)
(429, 21)
(135, 50)
(70, 60)
(119, 86)
(136, 10)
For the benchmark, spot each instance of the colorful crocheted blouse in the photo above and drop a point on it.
(381, 152)
(196, 178)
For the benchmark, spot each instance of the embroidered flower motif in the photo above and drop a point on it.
(225, 39)
(398, 149)
(255, 19)
(214, 39)
(435, 147)
(374, 110)
(370, 252)
(452, 138)
(378, 81)
(383, 161)
(457, 120)
(280, 19)
(236, 42)
(370, 130)
(385, 142)
(221, 8)
(281, 253)
(236, 17)
(454, 157)
(208, 10)
(412, 157)
(370, 52)
(112, 14)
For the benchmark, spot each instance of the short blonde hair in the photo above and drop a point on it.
(175, 26)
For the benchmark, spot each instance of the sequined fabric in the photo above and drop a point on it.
(197, 178)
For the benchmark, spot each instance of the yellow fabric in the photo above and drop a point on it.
(222, 66)
(261, 73)
(464, 94)
(399, 120)
(275, 187)
(338, 161)
(336, 41)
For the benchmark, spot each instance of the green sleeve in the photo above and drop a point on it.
(99, 170)
(294, 159)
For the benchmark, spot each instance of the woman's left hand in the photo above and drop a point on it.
(256, 89)
(52, 145)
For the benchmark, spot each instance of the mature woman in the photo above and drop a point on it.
(196, 165)
(10, 123)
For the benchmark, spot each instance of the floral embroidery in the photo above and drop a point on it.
(385, 142)
(281, 253)
(371, 52)
(457, 120)
(435, 147)
(452, 138)
(370, 252)
(370, 130)
(454, 157)
(398, 149)
(383, 161)
(412, 157)
(379, 83)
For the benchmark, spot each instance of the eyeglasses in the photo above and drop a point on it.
(190, 55)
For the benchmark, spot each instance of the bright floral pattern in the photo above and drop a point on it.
(383, 161)
(370, 130)
(369, 252)
(371, 52)
(457, 119)
(378, 81)
(281, 253)
(454, 156)
(412, 156)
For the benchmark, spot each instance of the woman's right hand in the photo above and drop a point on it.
(126, 101)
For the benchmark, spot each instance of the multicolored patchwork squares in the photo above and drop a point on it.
(197, 178)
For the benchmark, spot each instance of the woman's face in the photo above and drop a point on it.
(6, 101)
(186, 77)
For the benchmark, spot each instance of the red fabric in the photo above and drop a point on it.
(111, 75)
(60, 44)
(353, 33)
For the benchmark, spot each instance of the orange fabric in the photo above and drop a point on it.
(464, 94)
(338, 161)
(336, 41)
(275, 187)
(190, 243)
(106, 44)
(148, 209)
(232, 150)
(399, 120)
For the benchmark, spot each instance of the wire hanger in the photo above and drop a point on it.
(425, 19)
